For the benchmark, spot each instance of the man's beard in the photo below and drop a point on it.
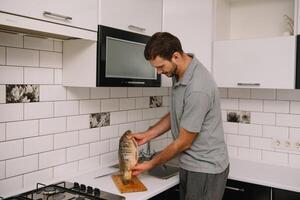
(173, 72)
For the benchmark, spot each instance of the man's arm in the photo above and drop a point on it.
(182, 143)
(162, 126)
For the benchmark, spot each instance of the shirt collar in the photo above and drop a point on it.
(188, 72)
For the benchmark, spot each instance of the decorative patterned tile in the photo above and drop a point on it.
(239, 116)
(99, 119)
(155, 101)
(22, 93)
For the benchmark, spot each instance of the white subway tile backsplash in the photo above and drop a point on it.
(288, 120)
(2, 56)
(98, 148)
(291, 95)
(66, 170)
(2, 132)
(110, 105)
(64, 108)
(11, 149)
(142, 102)
(232, 151)
(149, 113)
(142, 126)
(230, 127)
(11, 112)
(76, 93)
(263, 93)
(161, 91)
(2, 94)
(114, 144)
(89, 135)
(52, 125)
(149, 91)
(223, 92)
(52, 93)
(100, 93)
(2, 170)
(261, 143)
(135, 92)
(118, 117)
(263, 118)
(10, 185)
(50, 59)
(58, 45)
(38, 76)
(135, 115)
(238, 140)
(89, 164)
(38, 144)
(294, 133)
(127, 104)
(125, 127)
(66, 139)
(166, 101)
(276, 132)
(118, 92)
(22, 57)
(11, 75)
(38, 110)
(161, 111)
(57, 76)
(108, 132)
(251, 105)
(78, 122)
(275, 157)
(22, 129)
(250, 129)
(38, 43)
(294, 160)
(21, 165)
(52, 158)
(11, 40)
(239, 93)
(276, 106)
(295, 107)
(42, 176)
(249, 154)
(229, 104)
(109, 159)
(89, 106)
(78, 152)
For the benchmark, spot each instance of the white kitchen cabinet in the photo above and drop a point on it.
(255, 63)
(70, 18)
(191, 21)
(141, 16)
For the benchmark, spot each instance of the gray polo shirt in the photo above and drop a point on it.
(195, 106)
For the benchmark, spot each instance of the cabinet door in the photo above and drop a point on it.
(255, 63)
(279, 194)
(142, 16)
(77, 13)
(246, 191)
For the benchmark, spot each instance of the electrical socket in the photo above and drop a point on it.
(286, 144)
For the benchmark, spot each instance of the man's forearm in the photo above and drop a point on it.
(162, 126)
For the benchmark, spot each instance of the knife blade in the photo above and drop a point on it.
(107, 174)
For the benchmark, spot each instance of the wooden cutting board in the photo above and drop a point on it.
(135, 185)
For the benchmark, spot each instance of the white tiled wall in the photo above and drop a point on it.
(274, 115)
(49, 139)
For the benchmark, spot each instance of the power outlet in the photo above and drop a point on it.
(286, 144)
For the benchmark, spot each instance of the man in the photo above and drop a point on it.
(194, 119)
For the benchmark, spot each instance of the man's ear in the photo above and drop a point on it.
(176, 57)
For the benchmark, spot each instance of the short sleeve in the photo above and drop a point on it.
(196, 106)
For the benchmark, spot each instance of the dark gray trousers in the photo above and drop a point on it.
(202, 186)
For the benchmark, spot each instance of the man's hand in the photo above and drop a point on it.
(139, 168)
(141, 138)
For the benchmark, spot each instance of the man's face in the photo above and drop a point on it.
(164, 66)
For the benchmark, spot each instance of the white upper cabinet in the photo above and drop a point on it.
(254, 43)
(190, 21)
(49, 15)
(141, 16)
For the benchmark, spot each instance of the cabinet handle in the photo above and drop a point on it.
(55, 15)
(136, 28)
(248, 84)
(136, 82)
(235, 189)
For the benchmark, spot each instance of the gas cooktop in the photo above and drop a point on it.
(66, 191)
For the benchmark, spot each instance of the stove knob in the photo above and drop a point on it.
(89, 190)
(82, 187)
(76, 186)
(97, 192)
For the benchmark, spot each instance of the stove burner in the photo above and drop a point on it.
(49, 190)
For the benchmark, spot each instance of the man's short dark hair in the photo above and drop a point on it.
(162, 44)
